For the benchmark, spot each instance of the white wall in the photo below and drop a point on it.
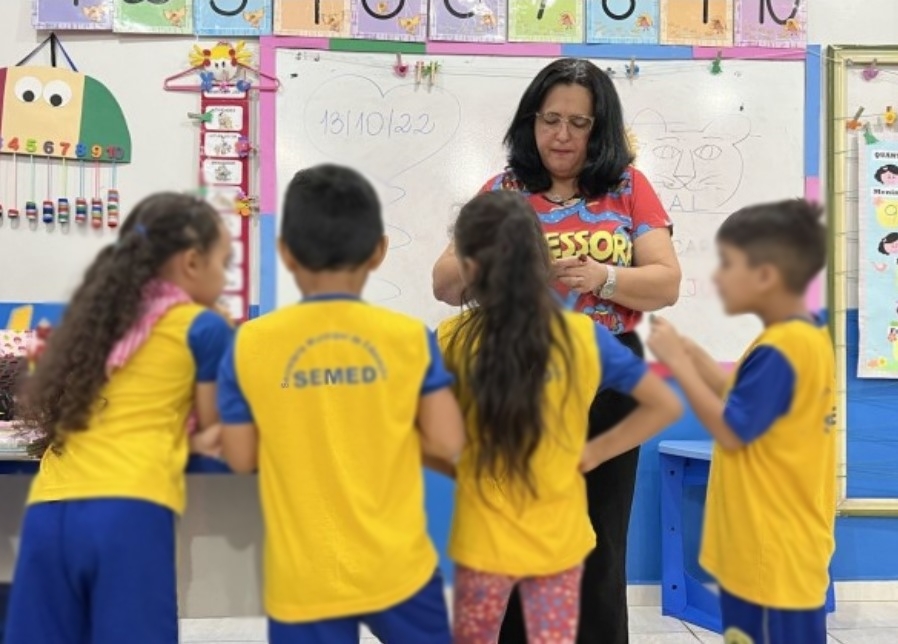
(220, 535)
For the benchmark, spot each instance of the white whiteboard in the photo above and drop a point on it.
(709, 145)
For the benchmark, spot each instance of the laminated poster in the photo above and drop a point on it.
(771, 23)
(705, 23)
(91, 15)
(390, 19)
(546, 21)
(232, 17)
(878, 258)
(622, 21)
(154, 17)
(468, 20)
(312, 18)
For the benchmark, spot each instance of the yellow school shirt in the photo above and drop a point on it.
(501, 528)
(332, 384)
(135, 445)
(769, 520)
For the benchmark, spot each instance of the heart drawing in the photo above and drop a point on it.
(353, 120)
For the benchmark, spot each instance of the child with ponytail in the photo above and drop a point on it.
(527, 372)
(135, 357)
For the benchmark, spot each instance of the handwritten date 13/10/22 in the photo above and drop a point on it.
(373, 123)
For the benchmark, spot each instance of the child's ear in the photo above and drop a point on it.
(379, 254)
(769, 276)
(468, 269)
(191, 261)
(287, 258)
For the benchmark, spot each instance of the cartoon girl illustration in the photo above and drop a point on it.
(888, 246)
(887, 175)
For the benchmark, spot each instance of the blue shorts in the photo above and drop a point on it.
(99, 571)
(422, 618)
(747, 623)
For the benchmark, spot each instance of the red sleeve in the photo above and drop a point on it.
(647, 213)
(500, 182)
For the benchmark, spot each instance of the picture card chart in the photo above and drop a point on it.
(771, 23)
(148, 17)
(90, 15)
(546, 21)
(232, 17)
(313, 18)
(705, 23)
(468, 20)
(623, 21)
(878, 257)
(225, 174)
(390, 19)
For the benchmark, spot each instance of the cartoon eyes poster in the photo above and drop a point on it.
(232, 17)
(878, 258)
(154, 16)
(72, 14)
(390, 19)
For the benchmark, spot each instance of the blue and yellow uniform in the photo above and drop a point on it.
(768, 536)
(332, 385)
(100, 526)
(503, 529)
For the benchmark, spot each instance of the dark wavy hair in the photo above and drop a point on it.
(608, 151)
(58, 397)
(501, 348)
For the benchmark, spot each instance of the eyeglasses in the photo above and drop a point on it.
(576, 123)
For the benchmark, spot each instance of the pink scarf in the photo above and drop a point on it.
(159, 297)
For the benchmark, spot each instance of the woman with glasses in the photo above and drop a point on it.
(610, 238)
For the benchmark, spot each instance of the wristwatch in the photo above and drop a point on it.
(610, 285)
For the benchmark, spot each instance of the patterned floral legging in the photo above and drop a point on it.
(551, 606)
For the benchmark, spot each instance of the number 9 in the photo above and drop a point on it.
(80, 150)
(96, 152)
(48, 148)
(30, 146)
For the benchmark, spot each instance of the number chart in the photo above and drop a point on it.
(58, 113)
(64, 134)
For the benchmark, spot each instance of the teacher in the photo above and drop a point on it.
(610, 238)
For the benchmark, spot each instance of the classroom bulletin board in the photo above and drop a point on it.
(862, 198)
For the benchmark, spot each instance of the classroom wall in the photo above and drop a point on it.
(220, 536)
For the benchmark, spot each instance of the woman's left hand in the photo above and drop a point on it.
(582, 274)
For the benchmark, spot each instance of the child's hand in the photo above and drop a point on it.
(665, 342)
(592, 456)
(207, 442)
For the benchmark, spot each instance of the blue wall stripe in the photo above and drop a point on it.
(626, 52)
(268, 263)
(812, 102)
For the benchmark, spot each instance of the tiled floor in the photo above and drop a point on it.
(868, 622)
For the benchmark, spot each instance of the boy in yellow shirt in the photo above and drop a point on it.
(768, 535)
(334, 399)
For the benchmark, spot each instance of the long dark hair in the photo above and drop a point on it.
(58, 397)
(608, 151)
(501, 348)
